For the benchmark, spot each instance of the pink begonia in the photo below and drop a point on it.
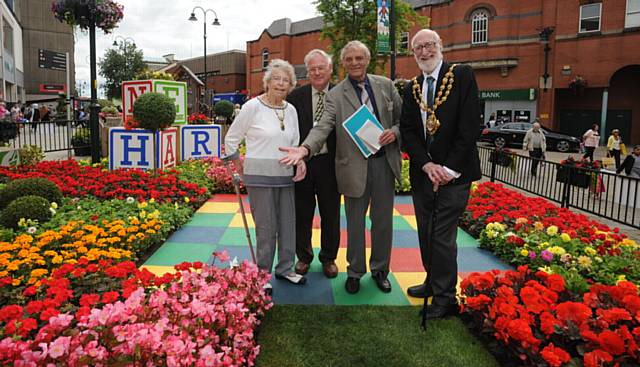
(59, 347)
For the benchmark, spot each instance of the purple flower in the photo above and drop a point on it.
(546, 255)
(532, 255)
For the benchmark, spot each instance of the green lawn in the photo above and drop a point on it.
(350, 336)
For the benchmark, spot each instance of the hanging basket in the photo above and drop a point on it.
(106, 13)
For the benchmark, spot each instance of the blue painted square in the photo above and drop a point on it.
(188, 234)
(317, 291)
(403, 199)
(475, 259)
(405, 239)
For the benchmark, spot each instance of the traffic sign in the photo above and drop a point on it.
(52, 60)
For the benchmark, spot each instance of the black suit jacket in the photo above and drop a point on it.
(627, 164)
(454, 144)
(300, 98)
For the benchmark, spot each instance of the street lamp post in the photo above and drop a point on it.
(215, 22)
(94, 108)
(544, 39)
(125, 40)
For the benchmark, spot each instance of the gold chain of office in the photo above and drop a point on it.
(433, 124)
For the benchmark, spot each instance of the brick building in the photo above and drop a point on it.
(559, 60)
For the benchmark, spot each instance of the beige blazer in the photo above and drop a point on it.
(340, 103)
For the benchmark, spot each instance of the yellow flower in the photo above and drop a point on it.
(524, 252)
(584, 261)
(152, 200)
(491, 233)
(538, 226)
(557, 250)
(57, 260)
(15, 282)
(546, 269)
(589, 251)
(621, 278)
(143, 214)
(142, 205)
(186, 199)
(552, 230)
(54, 205)
(565, 237)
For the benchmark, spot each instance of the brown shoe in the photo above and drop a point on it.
(302, 268)
(330, 269)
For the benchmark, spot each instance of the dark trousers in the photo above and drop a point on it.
(452, 200)
(615, 153)
(321, 182)
(589, 153)
(536, 154)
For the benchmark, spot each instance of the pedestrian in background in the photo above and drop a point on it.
(591, 139)
(536, 144)
(614, 146)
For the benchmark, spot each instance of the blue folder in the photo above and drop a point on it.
(355, 122)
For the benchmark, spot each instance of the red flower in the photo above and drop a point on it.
(110, 297)
(476, 303)
(597, 358)
(28, 324)
(614, 315)
(555, 356)
(48, 313)
(548, 323)
(29, 291)
(10, 312)
(520, 330)
(575, 312)
(89, 299)
(611, 342)
(555, 282)
(34, 307)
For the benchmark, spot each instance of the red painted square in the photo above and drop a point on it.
(405, 209)
(406, 260)
(224, 198)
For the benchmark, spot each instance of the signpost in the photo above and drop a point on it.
(52, 60)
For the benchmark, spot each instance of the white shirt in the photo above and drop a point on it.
(425, 88)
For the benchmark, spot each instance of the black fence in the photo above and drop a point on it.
(600, 192)
(50, 136)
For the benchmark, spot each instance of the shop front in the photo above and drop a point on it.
(511, 105)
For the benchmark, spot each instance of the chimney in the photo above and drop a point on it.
(169, 57)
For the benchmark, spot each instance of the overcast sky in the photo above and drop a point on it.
(161, 27)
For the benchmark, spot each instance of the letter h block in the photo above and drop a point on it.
(135, 148)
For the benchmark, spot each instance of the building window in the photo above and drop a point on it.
(479, 26)
(8, 36)
(590, 17)
(265, 58)
(403, 47)
(632, 19)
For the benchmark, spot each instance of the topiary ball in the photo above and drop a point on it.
(28, 207)
(30, 186)
(154, 111)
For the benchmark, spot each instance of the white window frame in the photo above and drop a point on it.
(479, 26)
(404, 43)
(265, 58)
(599, 18)
(629, 13)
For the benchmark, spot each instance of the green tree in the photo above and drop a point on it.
(147, 74)
(120, 64)
(348, 20)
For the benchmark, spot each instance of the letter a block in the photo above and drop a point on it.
(135, 148)
(177, 91)
(199, 141)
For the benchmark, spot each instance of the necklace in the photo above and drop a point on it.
(265, 101)
(280, 118)
(433, 124)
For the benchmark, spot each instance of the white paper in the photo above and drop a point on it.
(370, 133)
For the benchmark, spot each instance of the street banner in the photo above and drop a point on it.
(383, 27)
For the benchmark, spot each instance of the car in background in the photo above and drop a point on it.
(512, 134)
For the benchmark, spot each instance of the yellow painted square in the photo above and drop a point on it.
(396, 212)
(315, 237)
(236, 221)
(341, 260)
(409, 279)
(219, 208)
(159, 270)
(411, 219)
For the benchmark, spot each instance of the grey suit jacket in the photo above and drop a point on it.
(340, 103)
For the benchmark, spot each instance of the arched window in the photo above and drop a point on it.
(265, 58)
(479, 26)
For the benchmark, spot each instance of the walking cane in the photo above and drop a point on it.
(432, 236)
(235, 178)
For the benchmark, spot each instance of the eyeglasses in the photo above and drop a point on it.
(427, 46)
(277, 78)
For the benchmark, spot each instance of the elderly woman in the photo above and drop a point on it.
(266, 123)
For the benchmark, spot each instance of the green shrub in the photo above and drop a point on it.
(104, 103)
(31, 155)
(110, 110)
(30, 186)
(224, 108)
(154, 111)
(28, 207)
(81, 138)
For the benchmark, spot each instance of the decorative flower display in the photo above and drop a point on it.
(538, 322)
(198, 119)
(106, 13)
(582, 163)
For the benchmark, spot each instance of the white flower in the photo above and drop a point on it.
(233, 263)
(130, 200)
(31, 230)
(53, 211)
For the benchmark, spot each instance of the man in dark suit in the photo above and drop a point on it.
(439, 131)
(366, 183)
(320, 180)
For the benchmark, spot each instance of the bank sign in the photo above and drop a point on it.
(508, 95)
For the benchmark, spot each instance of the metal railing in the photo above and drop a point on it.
(600, 192)
(51, 136)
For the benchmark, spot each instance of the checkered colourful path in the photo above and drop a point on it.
(218, 226)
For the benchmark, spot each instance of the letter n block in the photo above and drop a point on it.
(131, 90)
(199, 141)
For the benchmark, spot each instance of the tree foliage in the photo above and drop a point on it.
(348, 20)
(147, 74)
(120, 64)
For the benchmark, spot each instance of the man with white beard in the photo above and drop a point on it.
(438, 127)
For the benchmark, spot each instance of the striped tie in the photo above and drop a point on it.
(364, 97)
(319, 107)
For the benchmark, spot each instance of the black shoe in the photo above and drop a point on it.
(419, 291)
(352, 285)
(382, 282)
(439, 311)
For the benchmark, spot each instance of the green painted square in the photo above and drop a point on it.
(237, 237)
(465, 240)
(369, 293)
(316, 265)
(210, 220)
(172, 253)
(401, 224)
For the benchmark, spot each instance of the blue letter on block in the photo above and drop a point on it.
(200, 138)
(142, 150)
